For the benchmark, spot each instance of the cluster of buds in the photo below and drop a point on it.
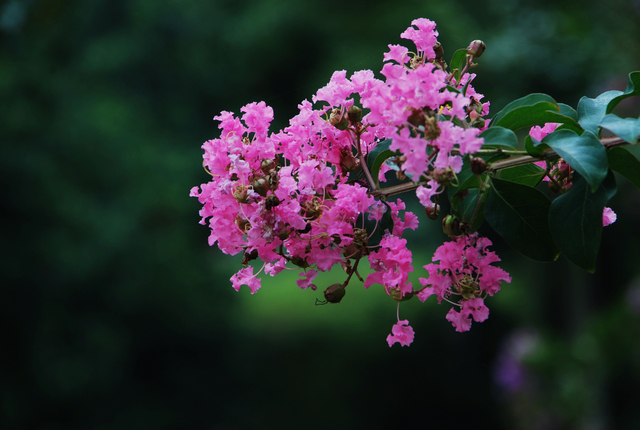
(560, 180)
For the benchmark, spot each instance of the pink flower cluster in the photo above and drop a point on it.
(464, 276)
(289, 199)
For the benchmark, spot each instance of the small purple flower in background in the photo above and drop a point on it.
(509, 371)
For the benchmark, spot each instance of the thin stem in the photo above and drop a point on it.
(363, 162)
(608, 142)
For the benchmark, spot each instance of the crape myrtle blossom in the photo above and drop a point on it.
(303, 198)
(464, 276)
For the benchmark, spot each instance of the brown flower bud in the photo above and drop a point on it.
(354, 113)
(443, 176)
(478, 165)
(478, 123)
(338, 120)
(433, 212)
(476, 48)
(439, 50)
(396, 294)
(267, 165)
(451, 225)
(260, 186)
(334, 293)
(271, 201)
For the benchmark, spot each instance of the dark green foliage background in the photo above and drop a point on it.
(114, 312)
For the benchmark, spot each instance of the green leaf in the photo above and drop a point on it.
(633, 89)
(458, 62)
(520, 215)
(534, 147)
(584, 153)
(467, 201)
(623, 162)
(528, 111)
(499, 136)
(576, 220)
(527, 174)
(591, 111)
(568, 111)
(627, 129)
(377, 156)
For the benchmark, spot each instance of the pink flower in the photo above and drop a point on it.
(308, 277)
(608, 217)
(245, 276)
(538, 133)
(459, 320)
(464, 270)
(475, 308)
(397, 53)
(401, 332)
(424, 37)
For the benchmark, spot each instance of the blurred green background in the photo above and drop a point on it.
(114, 312)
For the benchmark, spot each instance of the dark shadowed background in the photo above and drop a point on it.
(114, 312)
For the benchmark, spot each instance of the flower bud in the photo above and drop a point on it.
(396, 294)
(439, 50)
(433, 212)
(451, 225)
(260, 186)
(478, 123)
(271, 201)
(354, 113)
(338, 120)
(475, 106)
(443, 176)
(267, 165)
(478, 165)
(476, 48)
(334, 293)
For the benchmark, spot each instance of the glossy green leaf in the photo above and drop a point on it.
(591, 111)
(633, 89)
(534, 147)
(377, 156)
(627, 129)
(527, 174)
(528, 111)
(458, 62)
(576, 220)
(568, 111)
(520, 215)
(623, 162)
(584, 153)
(466, 203)
(499, 136)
